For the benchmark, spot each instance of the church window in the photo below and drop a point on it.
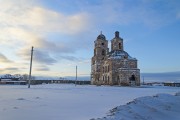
(119, 45)
(103, 52)
(125, 57)
(93, 62)
(133, 78)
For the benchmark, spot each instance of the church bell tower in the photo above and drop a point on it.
(117, 42)
(100, 51)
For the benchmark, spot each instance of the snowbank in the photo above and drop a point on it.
(159, 107)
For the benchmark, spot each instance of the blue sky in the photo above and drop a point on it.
(63, 31)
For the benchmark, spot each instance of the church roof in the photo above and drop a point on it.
(120, 54)
(101, 36)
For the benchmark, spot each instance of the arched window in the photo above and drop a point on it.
(133, 78)
(103, 52)
(118, 77)
(119, 45)
(93, 62)
(105, 68)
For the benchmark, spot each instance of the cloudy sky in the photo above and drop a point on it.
(63, 31)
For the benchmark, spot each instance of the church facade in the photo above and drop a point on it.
(114, 67)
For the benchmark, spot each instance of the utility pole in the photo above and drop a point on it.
(76, 75)
(29, 82)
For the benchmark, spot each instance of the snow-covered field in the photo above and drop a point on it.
(70, 102)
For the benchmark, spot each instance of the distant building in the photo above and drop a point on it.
(115, 67)
(173, 84)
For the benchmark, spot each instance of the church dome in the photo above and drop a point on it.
(101, 36)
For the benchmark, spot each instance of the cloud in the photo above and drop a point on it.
(151, 14)
(85, 61)
(39, 56)
(70, 58)
(4, 59)
(44, 57)
(46, 20)
(41, 68)
(11, 69)
(27, 23)
(55, 47)
(24, 23)
(26, 15)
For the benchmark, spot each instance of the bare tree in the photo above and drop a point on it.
(18, 76)
(25, 77)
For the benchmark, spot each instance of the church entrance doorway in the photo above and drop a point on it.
(132, 80)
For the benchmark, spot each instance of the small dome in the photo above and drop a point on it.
(101, 36)
(117, 34)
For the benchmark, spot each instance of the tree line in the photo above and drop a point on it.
(21, 77)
